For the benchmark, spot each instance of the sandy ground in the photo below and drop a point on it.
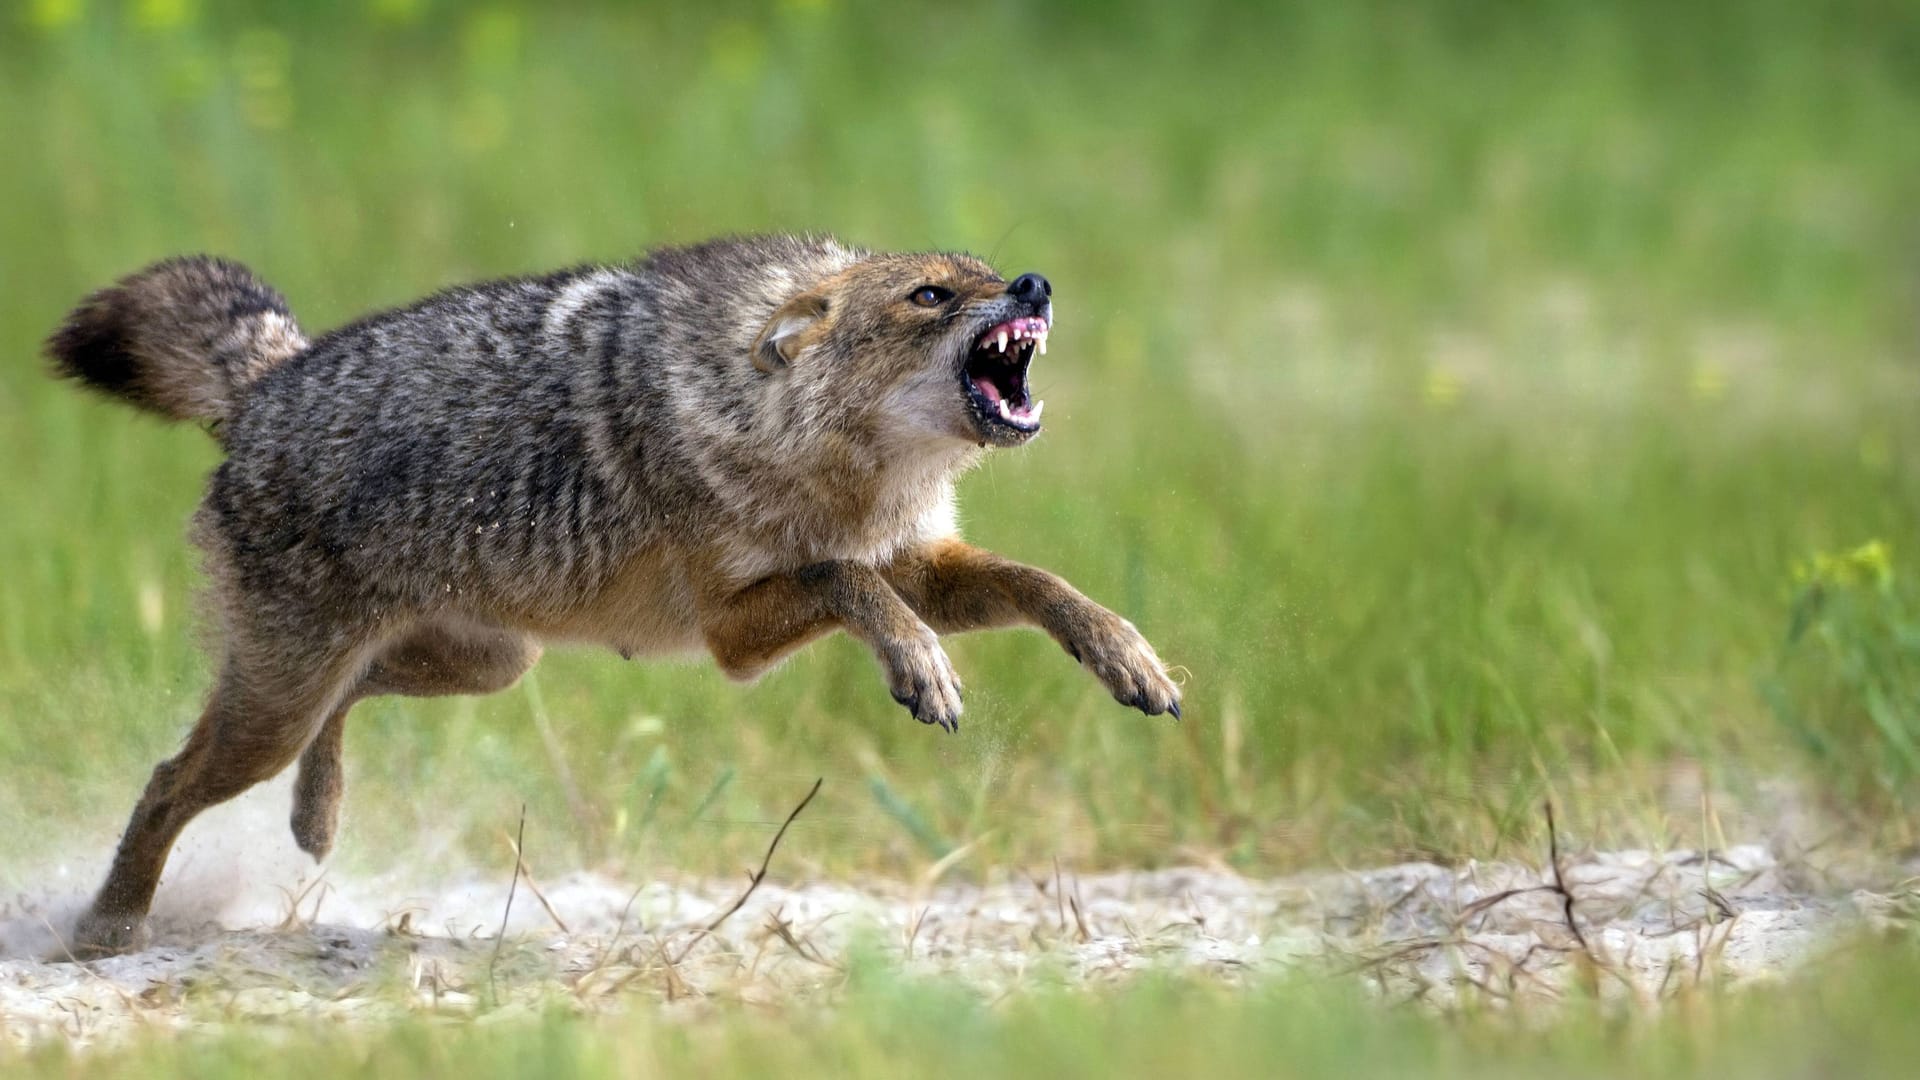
(248, 931)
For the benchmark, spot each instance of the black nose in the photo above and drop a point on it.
(1031, 288)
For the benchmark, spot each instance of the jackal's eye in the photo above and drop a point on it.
(931, 295)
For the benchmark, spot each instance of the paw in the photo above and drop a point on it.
(316, 805)
(1121, 659)
(314, 825)
(922, 678)
(105, 933)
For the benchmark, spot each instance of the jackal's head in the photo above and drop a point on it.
(928, 345)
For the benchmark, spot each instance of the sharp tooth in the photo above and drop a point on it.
(1033, 415)
(1041, 337)
(1003, 341)
(1004, 414)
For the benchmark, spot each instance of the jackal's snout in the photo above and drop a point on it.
(1031, 289)
(994, 373)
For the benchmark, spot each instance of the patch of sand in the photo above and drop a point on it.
(230, 948)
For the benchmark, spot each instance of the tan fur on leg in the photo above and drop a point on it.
(750, 629)
(957, 587)
(259, 718)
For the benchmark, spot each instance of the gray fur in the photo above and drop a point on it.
(497, 450)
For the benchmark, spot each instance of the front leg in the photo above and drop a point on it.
(957, 587)
(749, 630)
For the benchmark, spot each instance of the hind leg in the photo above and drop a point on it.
(317, 787)
(265, 708)
(432, 661)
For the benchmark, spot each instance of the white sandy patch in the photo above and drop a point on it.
(226, 951)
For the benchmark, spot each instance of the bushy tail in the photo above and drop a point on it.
(182, 338)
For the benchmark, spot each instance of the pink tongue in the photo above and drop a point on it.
(987, 390)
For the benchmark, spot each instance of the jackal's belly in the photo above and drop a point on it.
(646, 607)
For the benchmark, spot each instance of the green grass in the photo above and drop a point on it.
(1449, 396)
(1449, 391)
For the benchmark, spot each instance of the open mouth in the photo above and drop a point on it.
(995, 375)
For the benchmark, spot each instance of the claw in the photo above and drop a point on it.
(1175, 710)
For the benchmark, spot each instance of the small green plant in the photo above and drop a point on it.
(1846, 681)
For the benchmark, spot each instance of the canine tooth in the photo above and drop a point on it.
(1033, 415)
(1041, 337)
(1003, 341)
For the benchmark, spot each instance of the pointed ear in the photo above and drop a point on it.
(794, 327)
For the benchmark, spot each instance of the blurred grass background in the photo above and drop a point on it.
(1834, 1023)
(1450, 390)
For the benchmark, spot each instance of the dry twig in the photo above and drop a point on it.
(533, 886)
(500, 938)
(1059, 894)
(1560, 884)
(783, 929)
(292, 919)
(754, 879)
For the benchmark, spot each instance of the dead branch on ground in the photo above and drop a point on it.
(754, 879)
